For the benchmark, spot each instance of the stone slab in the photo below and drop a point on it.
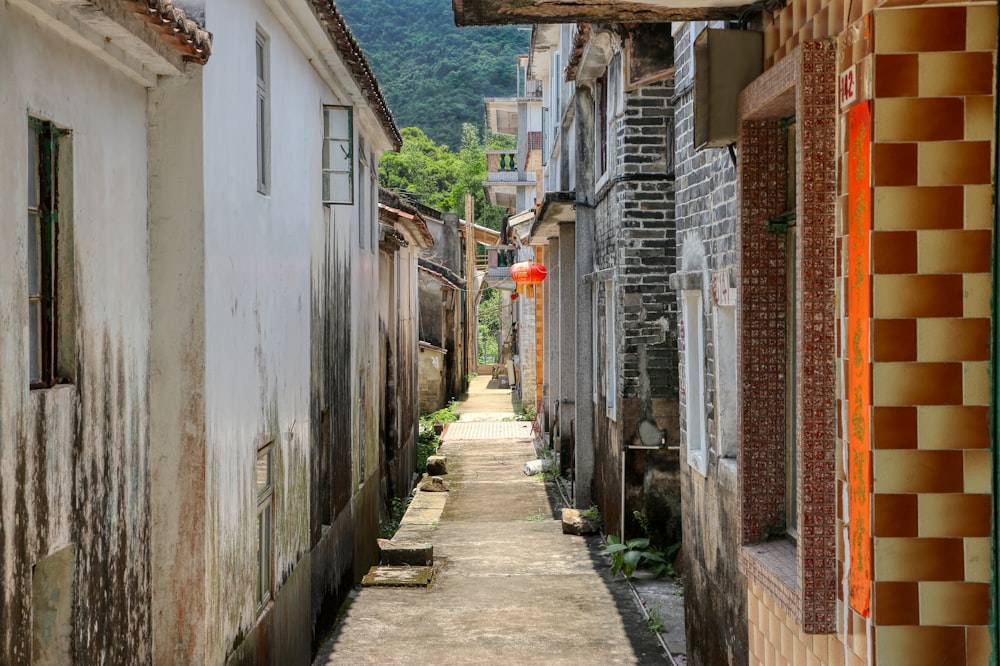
(398, 577)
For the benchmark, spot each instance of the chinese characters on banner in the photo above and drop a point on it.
(859, 399)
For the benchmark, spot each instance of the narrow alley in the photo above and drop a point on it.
(508, 584)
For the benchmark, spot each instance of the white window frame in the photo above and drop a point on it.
(373, 199)
(692, 310)
(264, 486)
(364, 224)
(340, 141)
(610, 351)
(262, 63)
(726, 386)
(595, 341)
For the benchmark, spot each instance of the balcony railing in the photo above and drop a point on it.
(498, 161)
(501, 256)
(511, 177)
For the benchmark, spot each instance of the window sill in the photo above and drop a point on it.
(726, 473)
(698, 462)
(64, 386)
(774, 566)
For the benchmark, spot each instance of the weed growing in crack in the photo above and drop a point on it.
(654, 619)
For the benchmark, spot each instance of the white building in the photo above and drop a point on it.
(190, 439)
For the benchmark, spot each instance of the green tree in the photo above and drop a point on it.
(436, 177)
(489, 325)
(433, 74)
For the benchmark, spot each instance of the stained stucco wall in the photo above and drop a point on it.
(73, 459)
(272, 263)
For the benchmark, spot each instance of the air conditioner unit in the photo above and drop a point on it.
(725, 61)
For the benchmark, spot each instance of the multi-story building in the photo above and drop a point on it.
(604, 224)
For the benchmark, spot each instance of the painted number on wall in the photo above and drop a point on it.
(848, 86)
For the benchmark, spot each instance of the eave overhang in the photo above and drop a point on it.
(500, 12)
(144, 39)
(556, 208)
(340, 35)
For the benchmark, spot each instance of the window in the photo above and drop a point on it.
(787, 333)
(596, 340)
(51, 344)
(373, 200)
(601, 120)
(363, 221)
(610, 349)
(263, 57)
(785, 224)
(338, 155)
(264, 476)
(694, 388)
(725, 381)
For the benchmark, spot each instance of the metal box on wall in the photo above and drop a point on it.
(725, 61)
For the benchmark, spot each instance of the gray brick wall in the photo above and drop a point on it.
(634, 236)
(706, 209)
(706, 213)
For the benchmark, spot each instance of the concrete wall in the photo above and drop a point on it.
(279, 269)
(74, 458)
(400, 341)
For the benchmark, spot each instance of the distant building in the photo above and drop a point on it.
(403, 235)
(606, 224)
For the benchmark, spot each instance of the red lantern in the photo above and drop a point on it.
(513, 296)
(528, 272)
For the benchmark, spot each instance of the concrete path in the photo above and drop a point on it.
(509, 587)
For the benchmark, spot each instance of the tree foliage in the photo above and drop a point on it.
(489, 326)
(433, 74)
(437, 177)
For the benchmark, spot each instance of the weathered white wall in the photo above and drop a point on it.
(73, 459)
(260, 270)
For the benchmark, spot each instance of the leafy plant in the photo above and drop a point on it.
(523, 413)
(399, 504)
(654, 619)
(433, 73)
(427, 445)
(626, 556)
(657, 560)
(593, 514)
(444, 415)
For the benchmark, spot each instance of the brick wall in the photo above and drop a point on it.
(706, 216)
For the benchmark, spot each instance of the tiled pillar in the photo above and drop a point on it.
(931, 261)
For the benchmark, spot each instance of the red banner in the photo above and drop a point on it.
(859, 369)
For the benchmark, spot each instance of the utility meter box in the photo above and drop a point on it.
(725, 61)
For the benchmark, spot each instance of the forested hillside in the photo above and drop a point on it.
(433, 74)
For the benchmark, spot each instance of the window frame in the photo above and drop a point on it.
(802, 578)
(693, 320)
(50, 290)
(262, 66)
(610, 351)
(329, 141)
(601, 125)
(265, 523)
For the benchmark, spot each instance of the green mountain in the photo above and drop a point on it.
(433, 74)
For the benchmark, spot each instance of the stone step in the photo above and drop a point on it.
(398, 577)
(405, 554)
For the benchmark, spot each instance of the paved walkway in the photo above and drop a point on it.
(509, 587)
